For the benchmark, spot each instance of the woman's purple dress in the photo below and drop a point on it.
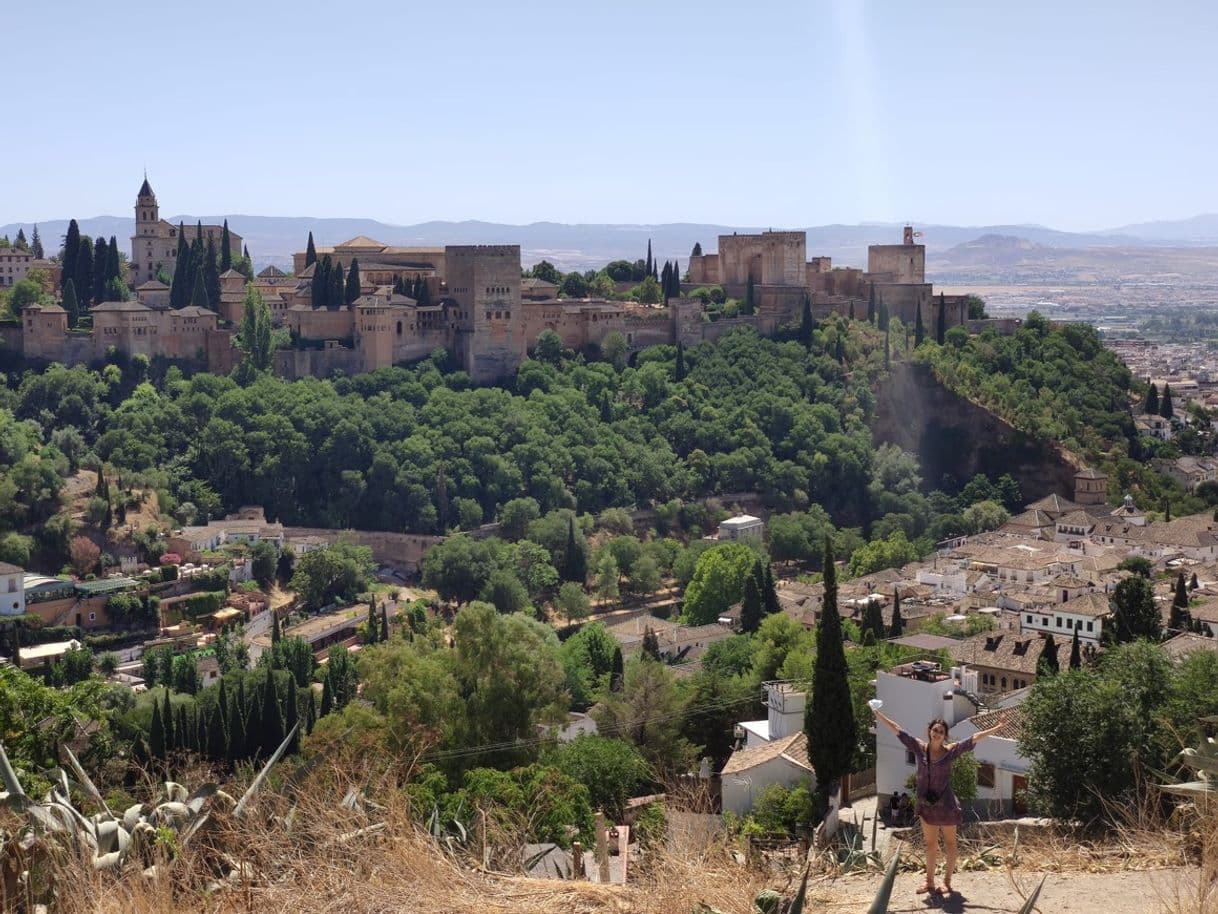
(936, 776)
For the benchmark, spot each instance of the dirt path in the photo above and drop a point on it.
(1144, 892)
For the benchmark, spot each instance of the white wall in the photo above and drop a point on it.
(12, 594)
(740, 790)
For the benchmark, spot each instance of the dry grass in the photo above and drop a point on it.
(296, 860)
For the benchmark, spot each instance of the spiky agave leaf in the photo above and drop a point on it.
(797, 906)
(16, 793)
(86, 784)
(266, 769)
(880, 904)
(1030, 904)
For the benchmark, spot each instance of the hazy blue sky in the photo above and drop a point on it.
(1072, 113)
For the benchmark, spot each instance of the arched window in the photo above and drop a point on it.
(399, 328)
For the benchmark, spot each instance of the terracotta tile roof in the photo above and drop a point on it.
(362, 242)
(1054, 504)
(794, 748)
(1011, 651)
(1089, 604)
(1010, 719)
(1187, 643)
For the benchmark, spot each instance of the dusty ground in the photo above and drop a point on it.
(1147, 892)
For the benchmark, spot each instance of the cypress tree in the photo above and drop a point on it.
(211, 274)
(36, 244)
(310, 252)
(171, 734)
(616, 670)
(71, 247)
(941, 327)
(101, 253)
(679, 372)
(1047, 664)
(871, 305)
(647, 269)
(327, 696)
(1151, 406)
(310, 712)
(181, 730)
(276, 630)
(750, 609)
(1179, 618)
(1076, 652)
(651, 644)
(215, 746)
(179, 287)
(84, 270)
(770, 592)
(372, 628)
(885, 317)
(291, 718)
(919, 330)
(70, 303)
(1166, 410)
(198, 295)
(384, 624)
(887, 348)
(20, 242)
(226, 249)
(806, 323)
(829, 720)
(575, 562)
(664, 278)
(236, 732)
(156, 736)
(254, 730)
(199, 232)
(852, 309)
(338, 283)
(897, 628)
(1192, 584)
(353, 289)
(319, 285)
(114, 266)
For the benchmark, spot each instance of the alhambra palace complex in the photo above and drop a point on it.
(481, 309)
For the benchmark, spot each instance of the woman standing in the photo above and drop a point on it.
(937, 805)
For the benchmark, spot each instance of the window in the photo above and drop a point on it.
(1029, 618)
(1058, 620)
(1004, 682)
(1089, 626)
(909, 757)
(92, 617)
(986, 774)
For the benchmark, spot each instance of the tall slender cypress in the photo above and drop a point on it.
(70, 303)
(647, 269)
(353, 283)
(575, 562)
(156, 736)
(114, 265)
(897, 628)
(101, 253)
(1047, 663)
(182, 730)
(338, 287)
(829, 720)
(871, 305)
(384, 623)
(750, 607)
(84, 270)
(919, 329)
(806, 322)
(236, 750)
(1151, 407)
(1076, 653)
(327, 696)
(198, 295)
(310, 252)
(291, 717)
(770, 592)
(71, 247)
(36, 244)
(171, 735)
(211, 274)
(226, 249)
(941, 327)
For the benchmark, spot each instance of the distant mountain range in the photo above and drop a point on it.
(273, 239)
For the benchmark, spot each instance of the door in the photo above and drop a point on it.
(1019, 790)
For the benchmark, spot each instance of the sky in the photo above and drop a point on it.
(1075, 114)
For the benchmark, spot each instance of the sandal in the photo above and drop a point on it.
(945, 889)
(927, 887)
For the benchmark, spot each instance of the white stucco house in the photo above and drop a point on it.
(741, 527)
(774, 750)
(12, 590)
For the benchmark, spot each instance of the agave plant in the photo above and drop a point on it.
(114, 840)
(1202, 760)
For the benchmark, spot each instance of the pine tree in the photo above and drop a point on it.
(156, 736)
(679, 370)
(353, 286)
(1151, 407)
(1076, 652)
(310, 253)
(84, 270)
(1047, 664)
(36, 244)
(897, 628)
(70, 303)
(806, 322)
(101, 253)
(1166, 410)
(751, 608)
(871, 305)
(198, 295)
(919, 330)
(384, 624)
(71, 248)
(226, 249)
(829, 720)
(327, 696)
(575, 561)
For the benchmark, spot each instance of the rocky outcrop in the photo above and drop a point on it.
(956, 438)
